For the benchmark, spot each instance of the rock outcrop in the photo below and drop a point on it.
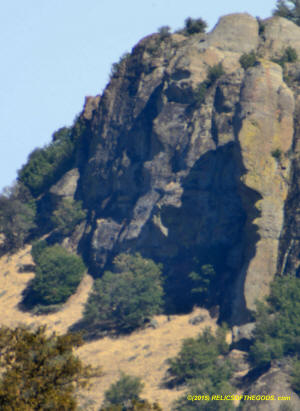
(272, 392)
(183, 168)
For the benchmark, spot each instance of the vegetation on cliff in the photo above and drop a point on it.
(125, 394)
(277, 332)
(123, 299)
(201, 364)
(289, 9)
(46, 164)
(172, 174)
(58, 274)
(17, 217)
(67, 215)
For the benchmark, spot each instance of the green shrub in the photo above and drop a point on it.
(277, 154)
(193, 26)
(127, 388)
(122, 300)
(206, 388)
(46, 165)
(248, 60)
(67, 215)
(17, 217)
(277, 331)
(198, 359)
(164, 32)
(58, 274)
(295, 382)
(116, 66)
(289, 9)
(289, 56)
(40, 372)
(199, 93)
(214, 73)
(37, 249)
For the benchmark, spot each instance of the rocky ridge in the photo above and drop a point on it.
(173, 179)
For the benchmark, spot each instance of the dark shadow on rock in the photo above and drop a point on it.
(208, 228)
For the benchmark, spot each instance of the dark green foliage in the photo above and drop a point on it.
(193, 26)
(214, 73)
(58, 274)
(164, 32)
(290, 9)
(17, 217)
(40, 372)
(295, 382)
(67, 215)
(289, 56)
(116, 66)
(199, 94)
(198, 359)
(46, 165)
(122, 300)
(206, 387)
(201, 366)
(277, 154)
(277, 330)
(204, 284)
(248, 60)
(134, 405)
(37, 249)
(127, 388)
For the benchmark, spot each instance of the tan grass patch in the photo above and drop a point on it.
(143, 353)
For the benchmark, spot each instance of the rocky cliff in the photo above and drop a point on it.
(188, 169)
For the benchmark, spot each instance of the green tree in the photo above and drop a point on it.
(193, 26)
(46, 165)
(277, 331)
(58, 274)
(208, 388)
(289, 56)
(67, 215)
(164, 32)
(37, 248)
(17, 217)
(127, 388)
(248, 60)
(295, 382)
(198, 359)
(40, 372)
(122, 300)
(214, 72)
(290, 9)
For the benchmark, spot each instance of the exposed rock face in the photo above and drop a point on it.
(178, 176)
(273, 383)
(67, 185)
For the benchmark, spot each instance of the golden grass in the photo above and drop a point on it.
(12, 285)
(143, 353)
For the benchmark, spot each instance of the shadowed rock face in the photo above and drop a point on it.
(181, 177)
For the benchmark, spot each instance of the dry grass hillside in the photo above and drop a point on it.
(143, 353)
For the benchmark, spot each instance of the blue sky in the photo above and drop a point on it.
(55, 52)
